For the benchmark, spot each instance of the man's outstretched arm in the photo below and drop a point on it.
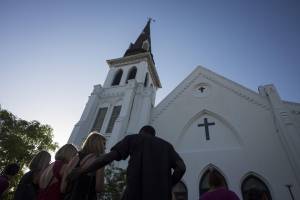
(97, 164)
(118, 152)
(178, 172)
(101, 161)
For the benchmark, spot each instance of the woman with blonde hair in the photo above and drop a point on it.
(28, 185)
(50, 182)
(88, 185)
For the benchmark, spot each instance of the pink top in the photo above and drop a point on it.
(52, 192)
(220, 194)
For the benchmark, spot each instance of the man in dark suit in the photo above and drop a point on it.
(154, 166)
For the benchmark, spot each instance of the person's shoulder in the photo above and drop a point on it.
(27, 177)
(58, 163)
(164, 142)
(132, 136)
(3, 180)
(233, 195)
(206, 196)
(28, 174)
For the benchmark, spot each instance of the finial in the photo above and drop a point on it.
(151, 19)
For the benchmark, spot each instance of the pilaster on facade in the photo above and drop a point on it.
(286, 129)
(119, 128)
(81, 129)
(121, 124)
(142, 108)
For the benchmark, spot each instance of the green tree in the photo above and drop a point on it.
(20, 140)
(115, 181)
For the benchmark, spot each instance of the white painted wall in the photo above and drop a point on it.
(243, 140)
(251, 135)
(136, 101)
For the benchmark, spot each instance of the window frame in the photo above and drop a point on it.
(132, 72)
(117, 77)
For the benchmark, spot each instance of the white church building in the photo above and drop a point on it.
(251, 138)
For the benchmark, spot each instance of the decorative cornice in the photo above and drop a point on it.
(111, 93)
(116, 91)
(239, 93)
(174, 97)
(291, 103)
(119, 62)
(293, 107)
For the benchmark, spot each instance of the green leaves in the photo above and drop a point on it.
(20, 140)
(115, 181)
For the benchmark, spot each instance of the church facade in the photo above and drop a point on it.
(251, 138)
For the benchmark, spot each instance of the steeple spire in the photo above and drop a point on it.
(142, 43)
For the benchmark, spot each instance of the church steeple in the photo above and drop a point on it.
(142, 43)
(139, 56)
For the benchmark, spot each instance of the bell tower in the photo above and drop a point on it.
(125, 101)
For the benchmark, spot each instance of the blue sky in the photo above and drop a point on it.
(53, 52)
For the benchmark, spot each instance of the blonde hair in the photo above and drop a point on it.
(94, 143)
(66, 153)
(40, 161)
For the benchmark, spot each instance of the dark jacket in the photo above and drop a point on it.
(149, 172)
(3, 184)
(26, 189)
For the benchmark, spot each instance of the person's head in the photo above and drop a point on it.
(66, 153)
(40, 161)
(94, 143)
(215, 180)
(147, 130)
(11, 169)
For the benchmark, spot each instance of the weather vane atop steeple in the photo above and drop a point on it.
(151, 19)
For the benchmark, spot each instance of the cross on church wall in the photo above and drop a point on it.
(206, 125)
(202, 89)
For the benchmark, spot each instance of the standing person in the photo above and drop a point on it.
(255, 194)
(87, 186)
(51, 179)
(218, 190)
(149, 171)
(28, 185)
(8, 172)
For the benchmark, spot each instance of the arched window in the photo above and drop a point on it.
(254, 188)
(204, 181)
(146, 80)
(179, 192)
(117, 77)
(131, 74)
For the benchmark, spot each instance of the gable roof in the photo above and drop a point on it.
(237, 89)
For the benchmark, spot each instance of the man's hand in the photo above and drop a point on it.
(75, 173)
